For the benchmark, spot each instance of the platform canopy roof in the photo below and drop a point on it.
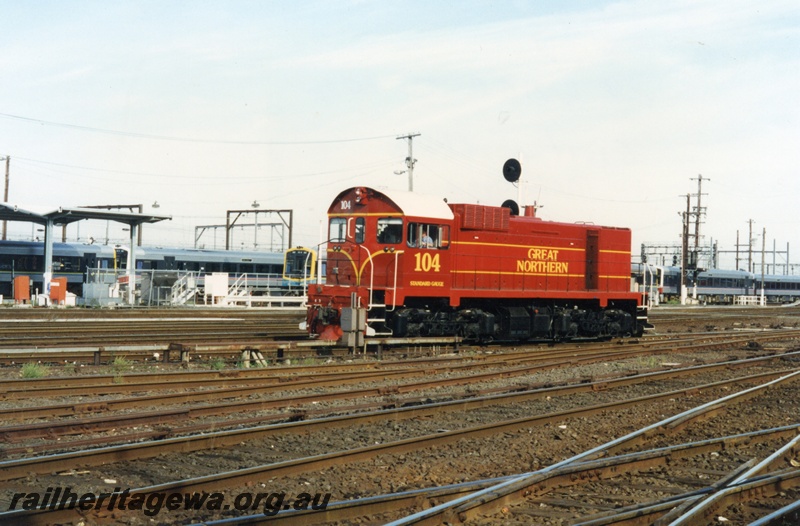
(65, 216)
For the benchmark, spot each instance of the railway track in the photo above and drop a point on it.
(49, 334)
(143, 339)
(302, 405)
(574, 471)
(377, 413)
(723, 317)
(694, 507)
(477, 504)
(390, 438)
(84, 336)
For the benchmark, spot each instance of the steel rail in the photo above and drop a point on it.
(193, 396)
(75, 382)
(28, 387)
(574, 474)
(765, 486)
(40, 342)
(663, 512)
(85, 407)
(678, 508)
(121, 383)
(567, 475)
(221, 383)
(273, 349)
(364, 506)
(780, 517)
(702, 508)
(58, 329)
(492, 498)
(13, 469)
(54, 429)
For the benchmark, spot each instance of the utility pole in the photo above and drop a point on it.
(698, 213)
(5, 195)
(750, 246)
(685, 250)
(774, 252)
(410, 159)
(763, 251)
(685, 246)
(737, 250)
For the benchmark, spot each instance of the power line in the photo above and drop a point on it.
(186, 139)
(372, 165)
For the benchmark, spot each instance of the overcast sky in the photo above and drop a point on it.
(612, 108)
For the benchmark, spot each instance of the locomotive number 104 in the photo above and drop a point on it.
(426, 262)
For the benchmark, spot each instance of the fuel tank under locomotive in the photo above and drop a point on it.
(515, 323)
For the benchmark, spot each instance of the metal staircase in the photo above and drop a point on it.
(184, 289)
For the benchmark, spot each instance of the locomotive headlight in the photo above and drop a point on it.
(386, 249)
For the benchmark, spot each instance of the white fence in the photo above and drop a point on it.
(749, 300)
(178, 287)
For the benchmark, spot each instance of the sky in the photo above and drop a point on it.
(613, 108)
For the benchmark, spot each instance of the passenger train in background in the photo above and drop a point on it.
(718, 286)
(299, 270)
(72, 260)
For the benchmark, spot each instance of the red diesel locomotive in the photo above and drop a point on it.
(418, 266)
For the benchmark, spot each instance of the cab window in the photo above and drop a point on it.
(338, 230)
(360, 226)
(390, 230)
(427, 235)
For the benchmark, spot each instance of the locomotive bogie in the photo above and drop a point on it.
(513, 323)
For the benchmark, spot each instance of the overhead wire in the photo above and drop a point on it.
(187, 139)
(455, 158)
(194, 178)
(479, 166)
